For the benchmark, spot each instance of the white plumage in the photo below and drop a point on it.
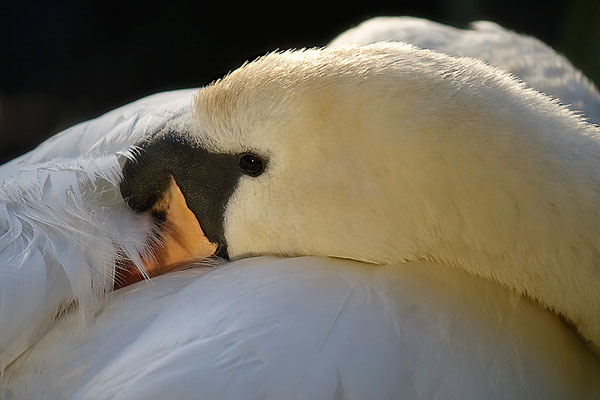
(63, 221)
(312, 328)
(256, 328)
(389, 153)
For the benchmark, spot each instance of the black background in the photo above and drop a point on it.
(63, 63)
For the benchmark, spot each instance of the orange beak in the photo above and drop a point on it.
(181, 239)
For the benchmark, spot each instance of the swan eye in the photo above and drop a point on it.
(252, 164)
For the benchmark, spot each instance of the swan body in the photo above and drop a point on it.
(526, 57)
(445, 190)
(313, 328)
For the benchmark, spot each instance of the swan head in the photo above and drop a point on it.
(387, 153)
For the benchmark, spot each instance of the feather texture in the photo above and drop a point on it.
(311, 328)
(63, 223)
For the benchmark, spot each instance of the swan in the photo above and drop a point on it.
(483, 188)
(443, 158)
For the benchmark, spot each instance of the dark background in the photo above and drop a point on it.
(63, 63)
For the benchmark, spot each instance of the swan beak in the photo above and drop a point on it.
(181, 239)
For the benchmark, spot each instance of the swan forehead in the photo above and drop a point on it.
(286, 97)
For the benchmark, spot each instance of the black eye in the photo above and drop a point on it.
(252, 164)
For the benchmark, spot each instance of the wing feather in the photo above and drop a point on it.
(64, 224)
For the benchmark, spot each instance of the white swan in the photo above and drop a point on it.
(462, 141)
(457, 161)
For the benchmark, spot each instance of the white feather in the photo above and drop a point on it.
(63, 222)
(311, 328)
